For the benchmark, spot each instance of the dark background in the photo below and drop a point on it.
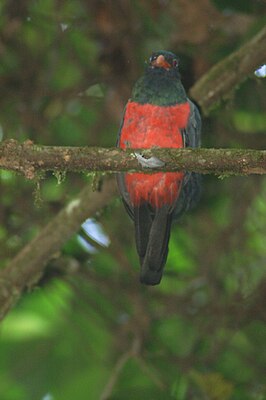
(90, 330)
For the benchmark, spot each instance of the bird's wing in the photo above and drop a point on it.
(192, 132)
(120, 177)
(191, 188)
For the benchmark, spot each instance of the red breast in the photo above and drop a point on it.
(145, 126)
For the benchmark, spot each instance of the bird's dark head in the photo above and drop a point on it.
(164, 60)
(160, 84)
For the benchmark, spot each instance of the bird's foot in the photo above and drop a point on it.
(152, 162)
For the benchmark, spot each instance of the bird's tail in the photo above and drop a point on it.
(152, 238)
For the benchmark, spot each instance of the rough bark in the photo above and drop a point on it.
(30, 159)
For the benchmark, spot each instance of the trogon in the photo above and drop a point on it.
(158, 114)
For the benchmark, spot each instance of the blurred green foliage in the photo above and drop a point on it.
(90, 329)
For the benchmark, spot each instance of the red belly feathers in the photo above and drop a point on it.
(146, 126)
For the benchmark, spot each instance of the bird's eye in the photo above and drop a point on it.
(152, 58)
(175, 63)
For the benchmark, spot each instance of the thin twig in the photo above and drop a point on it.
(120, 364)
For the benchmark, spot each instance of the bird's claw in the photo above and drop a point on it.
(152, 162)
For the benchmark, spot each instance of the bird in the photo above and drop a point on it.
(159, 114)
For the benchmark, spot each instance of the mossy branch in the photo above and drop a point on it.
(30, 159)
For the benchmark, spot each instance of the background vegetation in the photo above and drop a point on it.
(90, 330)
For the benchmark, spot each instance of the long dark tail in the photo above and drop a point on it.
(152, 237)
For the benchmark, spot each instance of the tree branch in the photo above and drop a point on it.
(25, 270)
(222, 79)
(29, 159)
